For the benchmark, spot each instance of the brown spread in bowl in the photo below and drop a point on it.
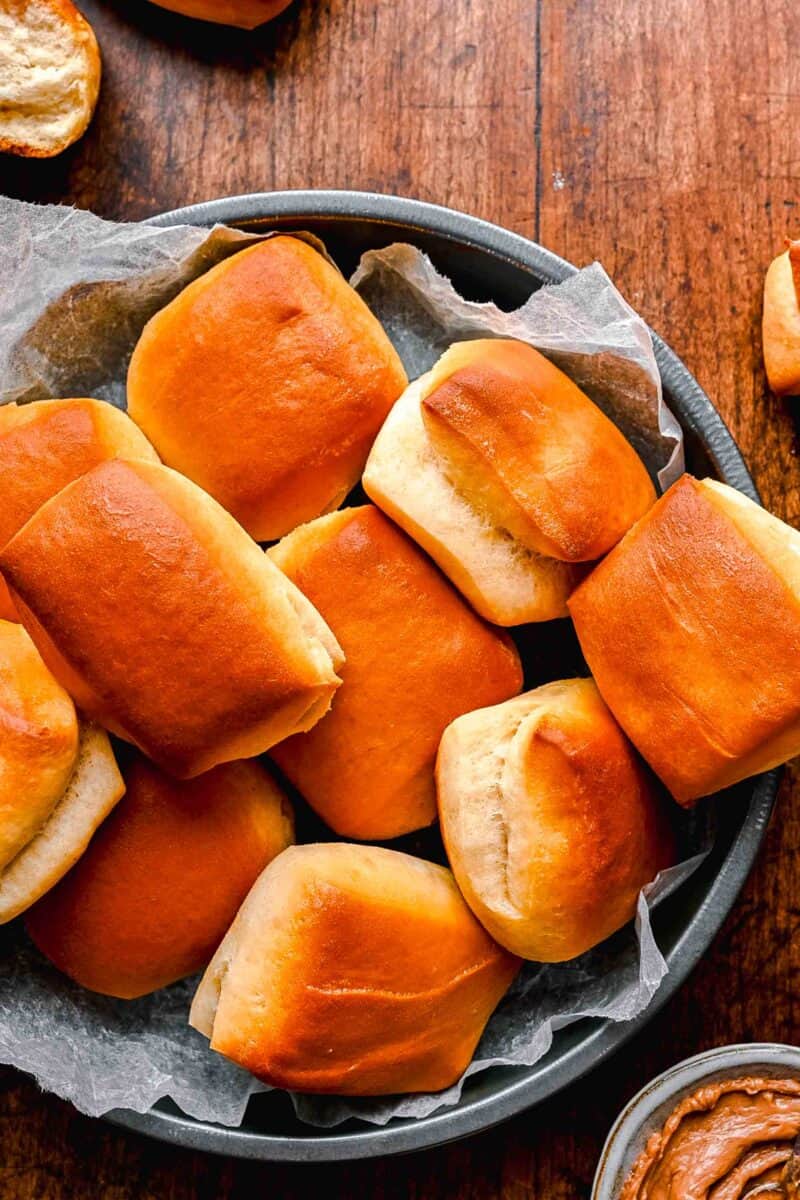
(720, 1142)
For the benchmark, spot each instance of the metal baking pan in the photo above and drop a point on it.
(486, 263)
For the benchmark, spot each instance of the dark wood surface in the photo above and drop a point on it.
(659, 136)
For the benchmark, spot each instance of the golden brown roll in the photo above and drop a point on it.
(781, 322)
(58, 777)
(551, 823)
(48, 443)
(508, 475)
(265, 381)
(161, 881)
(165, 621)
(354, 970)
(246, 14)
(691, 628)
(416, 657)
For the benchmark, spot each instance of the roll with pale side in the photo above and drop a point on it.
(354, 970)
(691, 628)
(161, 881)
(416, 657)
(551, 822)
(781, 322)
(46, 444)
(58, 777)
(166, 622)
(508, 475)
(266, 381)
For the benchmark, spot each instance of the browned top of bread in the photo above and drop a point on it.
(155, 892)
(48, 443)
(416, 657)
(352, 969)
(525, 444)
(38, 741)
(265, 381)
(691, 628)
(551, 821)
(246, 14)
(165, 621)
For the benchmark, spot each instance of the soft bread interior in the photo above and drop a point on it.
(94, 788)
(472, 777)
(49, 75)
(503, 580)
(550, 825)
(257, 931)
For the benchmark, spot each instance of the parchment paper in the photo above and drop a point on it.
(75, 292)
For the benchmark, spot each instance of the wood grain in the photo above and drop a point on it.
(659, 136)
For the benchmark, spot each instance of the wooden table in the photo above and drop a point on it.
(659, 136)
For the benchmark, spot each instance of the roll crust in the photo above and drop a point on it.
(245, 14)
(353, 970)
(93, 788)
(508, 475)
(416, 657)
(38, 741)
(153, 896)
(165, 622)
(46, 444)
(551, 823)
(265, 381)
(691, 628)
(781, 322)
(58, 778)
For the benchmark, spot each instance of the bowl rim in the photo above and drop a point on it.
(676, 1080)
(604, 1037)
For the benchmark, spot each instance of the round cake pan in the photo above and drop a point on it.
(486, 263)
(647, 1111)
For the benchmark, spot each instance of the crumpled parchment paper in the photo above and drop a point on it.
(75, 292)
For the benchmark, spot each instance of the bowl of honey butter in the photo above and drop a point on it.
(722, 1124)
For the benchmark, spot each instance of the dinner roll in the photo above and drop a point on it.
(551, 823)
(691, 628)
(781, 322)
(508, 475)
(265, 381)
(153, 896)
(165, 621)
(58, 777)
(247, 14)
(48, 443)
(416, 657)
(49, 76)
(354, 970)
